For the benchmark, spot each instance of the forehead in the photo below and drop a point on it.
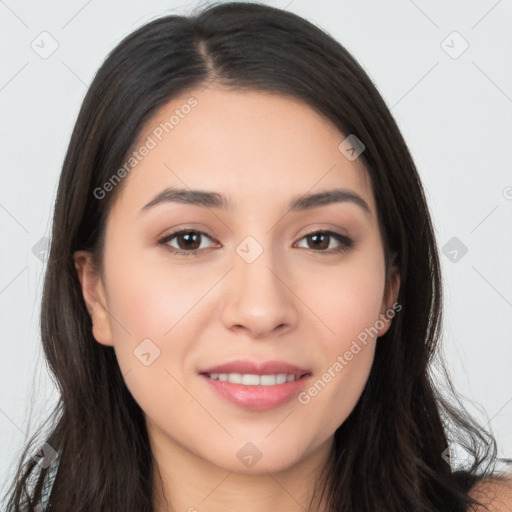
(257, 148)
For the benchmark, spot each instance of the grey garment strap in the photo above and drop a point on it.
(48, 484)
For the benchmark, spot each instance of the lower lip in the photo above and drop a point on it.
(257, 398)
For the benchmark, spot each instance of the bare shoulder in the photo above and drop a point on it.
(493, 492)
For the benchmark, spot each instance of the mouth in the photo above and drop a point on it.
(253, 392)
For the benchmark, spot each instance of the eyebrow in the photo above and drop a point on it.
(215, 200)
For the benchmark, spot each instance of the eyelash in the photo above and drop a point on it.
(346, 243)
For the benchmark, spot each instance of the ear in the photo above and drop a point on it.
(390, 305)
(94, 295)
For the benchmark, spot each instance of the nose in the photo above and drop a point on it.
(259, 297)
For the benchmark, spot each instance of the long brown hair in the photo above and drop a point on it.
(390, 454)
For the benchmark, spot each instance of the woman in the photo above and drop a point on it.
(243, 295)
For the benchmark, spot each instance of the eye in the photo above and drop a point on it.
(187, 239)
(189, 242)
(321, 240)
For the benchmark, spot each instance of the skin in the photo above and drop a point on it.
(292, 303)
(494, 493)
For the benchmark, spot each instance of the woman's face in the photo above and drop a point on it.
(261, 277)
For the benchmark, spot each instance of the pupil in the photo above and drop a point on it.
(322, 245)
(187, 244)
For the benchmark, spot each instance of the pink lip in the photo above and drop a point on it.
(257, 398)
(256, 368)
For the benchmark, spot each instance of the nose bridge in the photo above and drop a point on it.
(260, 299)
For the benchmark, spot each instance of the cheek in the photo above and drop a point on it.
(347, 358)
(144, 308)
(155, 316)
(333, 394)
(347, 297)
(150, 301)
(348, 300)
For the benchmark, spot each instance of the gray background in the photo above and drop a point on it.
(452, 104)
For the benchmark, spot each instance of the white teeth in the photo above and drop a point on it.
(267, 380)
(280, 378)
(235, 378)
(248, 379)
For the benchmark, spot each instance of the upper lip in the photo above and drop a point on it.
(247, 366)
